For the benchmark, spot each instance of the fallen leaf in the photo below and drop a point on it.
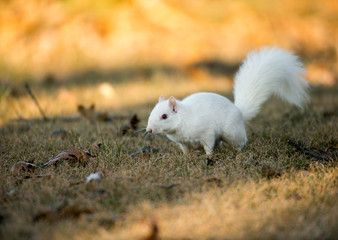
(133, 125)
(72, 156)
(88, 113)
(20, 167)
(134, 121)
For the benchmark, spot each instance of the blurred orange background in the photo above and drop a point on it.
(63, 38)
(116, 53)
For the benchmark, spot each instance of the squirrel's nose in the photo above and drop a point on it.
(149, 130)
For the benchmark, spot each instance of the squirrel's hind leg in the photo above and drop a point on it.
(238, 139)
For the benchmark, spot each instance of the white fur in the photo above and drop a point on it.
(207, 119)
(269, 71)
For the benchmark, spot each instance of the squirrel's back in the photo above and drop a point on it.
(206, 100)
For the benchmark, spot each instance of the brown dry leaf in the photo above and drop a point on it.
(134, 121)
(132, 126)
(88, 113)
(72, 156)
(20, 167)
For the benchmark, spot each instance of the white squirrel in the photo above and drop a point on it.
(208, 119)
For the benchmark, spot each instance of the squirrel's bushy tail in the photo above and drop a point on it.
(266, 72)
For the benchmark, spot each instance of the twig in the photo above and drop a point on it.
(170, 186)
(36, 101)
(316, 155)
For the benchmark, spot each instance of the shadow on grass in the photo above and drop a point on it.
(213, 67)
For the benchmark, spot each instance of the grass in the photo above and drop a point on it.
(269, 190)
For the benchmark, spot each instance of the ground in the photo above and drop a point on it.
(282, 185)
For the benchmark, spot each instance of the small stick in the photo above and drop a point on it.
(300, 148)
(36, 101)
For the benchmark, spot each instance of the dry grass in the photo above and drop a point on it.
(237, 198)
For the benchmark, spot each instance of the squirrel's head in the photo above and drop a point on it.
(163, 118)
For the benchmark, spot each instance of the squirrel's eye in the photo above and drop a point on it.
(164, 116)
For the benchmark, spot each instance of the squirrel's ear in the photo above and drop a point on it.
(161, 99)
(172, 103)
